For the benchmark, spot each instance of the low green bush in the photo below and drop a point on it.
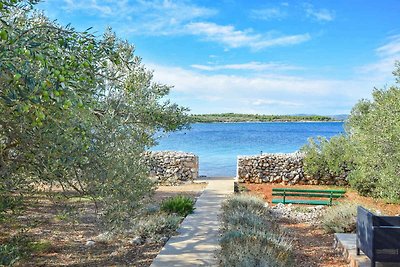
(250, 237)
(14, 249)
(9, 203)
(241, 219)
(249, 249)
(181, 205)
(157, 225)
(247, 202)
(340, 218)
(325, 157)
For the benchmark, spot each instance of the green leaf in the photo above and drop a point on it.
(17, 76)
(3, 35)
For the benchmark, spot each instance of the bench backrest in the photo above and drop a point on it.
(335, 191)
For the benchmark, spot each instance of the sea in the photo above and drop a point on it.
(219, 144)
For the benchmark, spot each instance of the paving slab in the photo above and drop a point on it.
(198, 237)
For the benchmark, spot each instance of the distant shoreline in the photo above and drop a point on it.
(269, 121)
(256, 118)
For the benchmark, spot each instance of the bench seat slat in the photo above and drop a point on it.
(307, 195)
(301, 201)
(308, 190)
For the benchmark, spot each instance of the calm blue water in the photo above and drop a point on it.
(219, 144)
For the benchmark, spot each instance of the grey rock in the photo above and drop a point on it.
(90, 243)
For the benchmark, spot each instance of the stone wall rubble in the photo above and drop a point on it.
(172, 167)
(280, 168)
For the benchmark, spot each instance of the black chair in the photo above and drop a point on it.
(378, 236)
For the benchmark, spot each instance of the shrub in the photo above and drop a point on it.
(250, 249)
(370, 149)
(181, 205)
(14, 249)
(328, 157)
(250, 237)
(374, 127)
(157, 225)
(151, 209)
(340, 218)
(247, 202)
(9, 204)
(240, 219)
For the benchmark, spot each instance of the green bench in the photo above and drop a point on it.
(327, 196)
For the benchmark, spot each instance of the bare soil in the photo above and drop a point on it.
(65, 232)
(314, 247)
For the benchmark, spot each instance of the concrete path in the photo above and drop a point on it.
(199, 232)
(346, 243)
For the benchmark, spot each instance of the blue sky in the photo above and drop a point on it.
(265, 57)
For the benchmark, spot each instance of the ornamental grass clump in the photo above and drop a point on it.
(248, 249)
(250, 237)
(340, 218)
(181, 205)
(247, 202)
(157, 225)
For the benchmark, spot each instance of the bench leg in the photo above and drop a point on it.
(358, 251)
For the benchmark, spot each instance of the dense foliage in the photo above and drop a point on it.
(374, 128)
(233, 117)
(371, 146)
(76, 112)
(327, 158)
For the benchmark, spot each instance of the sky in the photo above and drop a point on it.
(264, 57)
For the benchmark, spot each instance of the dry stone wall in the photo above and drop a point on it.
(280, 168)
(172, 167)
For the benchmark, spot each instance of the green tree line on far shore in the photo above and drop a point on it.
(234, 117)
(369, 151)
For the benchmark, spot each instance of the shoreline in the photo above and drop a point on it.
(335, 121)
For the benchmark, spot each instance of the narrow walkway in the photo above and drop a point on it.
(198, 235)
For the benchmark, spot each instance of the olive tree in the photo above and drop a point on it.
(374, 128)
(370, 148)
(325, 158)
(76, 111)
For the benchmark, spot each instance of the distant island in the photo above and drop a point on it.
(233, 117)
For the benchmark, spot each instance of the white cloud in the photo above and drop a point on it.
(101, 8)
(281, 41)
(319, 14)
(253, 66)
(391, 48)
(273, 102)
(263, 94)
(387, 54)
(268, 13)
(166, 17)
(233, 38)
(156, 17)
